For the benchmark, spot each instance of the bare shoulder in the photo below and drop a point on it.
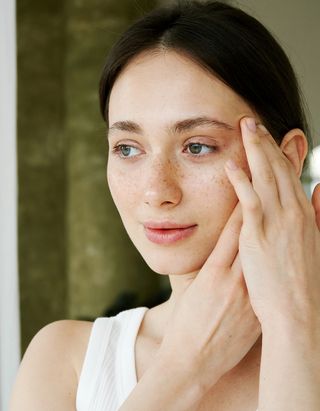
(49, 371)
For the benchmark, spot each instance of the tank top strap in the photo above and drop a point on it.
(94, 362)
(108, 372)
(126, 375)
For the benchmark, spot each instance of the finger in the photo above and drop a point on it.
(236, 265)
(315, 199)
(227, 245)
(263, 179)
(287, 181)
(251, 204)
(238, 271)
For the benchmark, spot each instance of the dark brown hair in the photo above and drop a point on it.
(229, 43)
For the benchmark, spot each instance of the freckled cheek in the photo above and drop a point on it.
(124, 188)
(211, 201)
(211, 188)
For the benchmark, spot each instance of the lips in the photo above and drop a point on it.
(168, 232)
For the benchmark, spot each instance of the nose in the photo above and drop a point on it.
(162, 186)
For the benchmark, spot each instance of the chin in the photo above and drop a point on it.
(180, 258)
(178, 265)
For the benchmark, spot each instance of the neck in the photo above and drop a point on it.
(156, 319)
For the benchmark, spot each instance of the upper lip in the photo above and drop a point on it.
(165, 225)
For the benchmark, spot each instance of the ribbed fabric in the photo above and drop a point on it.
(108, 373)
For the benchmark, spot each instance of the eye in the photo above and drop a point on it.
(198, 148)
(125, 151)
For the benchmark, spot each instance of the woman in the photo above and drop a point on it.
(207, 140)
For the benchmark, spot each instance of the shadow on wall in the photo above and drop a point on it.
(129, 299)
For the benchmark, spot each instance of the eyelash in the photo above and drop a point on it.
(117, 150)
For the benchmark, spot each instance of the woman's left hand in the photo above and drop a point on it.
(279, 244)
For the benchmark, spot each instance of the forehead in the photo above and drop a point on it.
(159, 86)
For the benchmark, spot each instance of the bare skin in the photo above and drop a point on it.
(160, 183)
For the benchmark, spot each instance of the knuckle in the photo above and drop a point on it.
(295, 215)
(254, 205)
(267, 175)
(242, 177)
(256, 140)
(281, 164)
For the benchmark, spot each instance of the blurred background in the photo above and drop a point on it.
(75, 259)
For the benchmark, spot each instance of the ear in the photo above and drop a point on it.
(295, 147)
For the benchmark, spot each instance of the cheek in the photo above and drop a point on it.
(210, 186)
(209, 199)
(217, 197)
(123, 187)
(212, 195)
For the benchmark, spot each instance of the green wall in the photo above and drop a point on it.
(41, 163)
(75, 258)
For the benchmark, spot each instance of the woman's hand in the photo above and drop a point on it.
(279, 243)
(213, 325)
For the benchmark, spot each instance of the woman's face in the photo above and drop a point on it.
(172, 127)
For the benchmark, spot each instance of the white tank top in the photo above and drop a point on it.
(108, 373)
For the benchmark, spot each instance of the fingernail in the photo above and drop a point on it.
(251, 124)
(263, 129)
(231, 165)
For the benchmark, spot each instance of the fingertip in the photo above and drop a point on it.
(249, 123)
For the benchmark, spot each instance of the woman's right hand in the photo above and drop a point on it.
(213, 325)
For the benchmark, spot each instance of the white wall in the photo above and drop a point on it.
(9, 313)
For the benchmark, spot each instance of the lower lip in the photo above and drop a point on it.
(160, 236)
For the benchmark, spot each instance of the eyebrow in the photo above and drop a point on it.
(178, 127)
